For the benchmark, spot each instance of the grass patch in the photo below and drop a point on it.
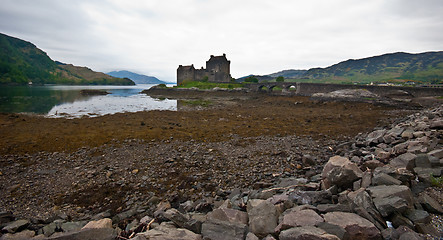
(162, 85)
(210, 85)
(199, 102)
(436, 181)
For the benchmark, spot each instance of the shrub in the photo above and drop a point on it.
(280, 79)
(251, 79)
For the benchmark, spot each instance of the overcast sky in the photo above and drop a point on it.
(153, 37)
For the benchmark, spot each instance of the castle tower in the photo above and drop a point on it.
(185, 73)
(218, 68)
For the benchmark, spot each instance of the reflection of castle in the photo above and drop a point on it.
(217, 70)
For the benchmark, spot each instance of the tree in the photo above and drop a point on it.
(251, 79)
(280, 79)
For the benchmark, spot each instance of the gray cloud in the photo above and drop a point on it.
(154, 37)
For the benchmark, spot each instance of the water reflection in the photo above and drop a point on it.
(67, 101)
(38, 100)
(102, 105)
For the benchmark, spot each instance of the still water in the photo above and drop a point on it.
(68, 102)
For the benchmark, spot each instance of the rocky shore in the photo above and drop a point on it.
(383, 184)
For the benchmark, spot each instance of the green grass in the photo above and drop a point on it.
(210, 85)
(436, 181)
(199, 102)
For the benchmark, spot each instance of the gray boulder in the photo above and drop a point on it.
(224, 223)
(251, 236)
(422, 161)
(263, 217)
(182, 220)
(165, 232)
(430, 204)
(16, 226)
(375, 137)
(406, 160)
(390, 199)
(306, 217)
(306, 232)
(88, 234)
(418, 216)
(356, 227)
(384, 179)
(438, 153)
(341, 172)
(72, 226)
(23, 235)
(219, 230)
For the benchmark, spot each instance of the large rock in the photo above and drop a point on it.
(390, 199)
(418, 216)
(333, 229)
(219, 230)
(16, 226)
(251, 236)
(438, 153)
(310, 197)
(263, 217)
(182, 220)
(306, 233)
(375, 137)
(102, 223)
(384, 179)
(224, 223)
(341, 172)
(89, 234)
(6, 217)
(23, 235)
(422, 161)
(306, 217)
(164, 232)
(406, 160)
(73, 226)
(356, 227)
(229, 215)
(430, 204)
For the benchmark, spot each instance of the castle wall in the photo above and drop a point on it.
(200, 74)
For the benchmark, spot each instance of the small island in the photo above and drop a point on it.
(93, 92)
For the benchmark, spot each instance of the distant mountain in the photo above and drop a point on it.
(22, 62)
(424, 67)
(292, 73)
(137, 78)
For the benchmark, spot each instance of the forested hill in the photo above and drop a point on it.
(424, 67)
(22, 62)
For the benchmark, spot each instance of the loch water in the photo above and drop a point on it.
(68, 102)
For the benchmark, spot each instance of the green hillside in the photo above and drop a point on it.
(423, 68)
(22, 62)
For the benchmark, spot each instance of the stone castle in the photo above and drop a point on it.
(217, 70)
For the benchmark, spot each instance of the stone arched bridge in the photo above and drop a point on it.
(307, 89)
